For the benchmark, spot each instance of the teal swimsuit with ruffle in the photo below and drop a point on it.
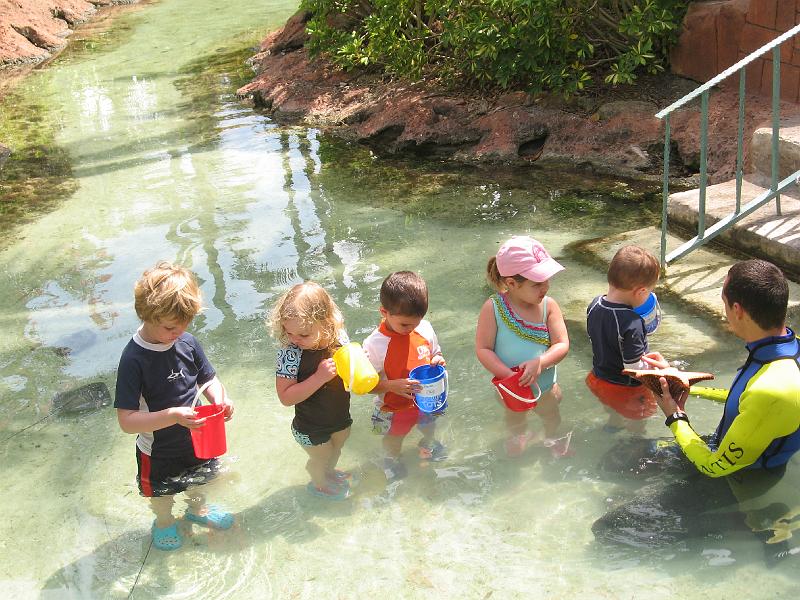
(518, 340)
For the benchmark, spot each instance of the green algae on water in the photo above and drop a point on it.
(38, 174)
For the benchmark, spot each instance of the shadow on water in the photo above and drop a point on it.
(38, 173)
(128, 566)
(664, 507)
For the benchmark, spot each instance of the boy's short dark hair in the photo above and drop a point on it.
(633, 267)
(405, 293)
(761, 290)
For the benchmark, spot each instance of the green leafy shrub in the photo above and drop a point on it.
(537, 45)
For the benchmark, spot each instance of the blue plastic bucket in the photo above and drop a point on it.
(650, 312)
(433, 395)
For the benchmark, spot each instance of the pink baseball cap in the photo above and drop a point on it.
(525, 256)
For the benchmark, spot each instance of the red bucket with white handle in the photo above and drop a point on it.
(516, 397)
(208, 440)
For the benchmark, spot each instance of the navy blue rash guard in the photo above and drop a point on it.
(154, 377)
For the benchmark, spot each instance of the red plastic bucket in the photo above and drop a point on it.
(515, 396)
(208, 440)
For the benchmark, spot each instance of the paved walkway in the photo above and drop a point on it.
(763, 234)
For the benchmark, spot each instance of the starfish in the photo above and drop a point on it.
(679, 381)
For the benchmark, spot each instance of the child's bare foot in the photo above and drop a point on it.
(332, 492)
(434, 451)
(339, 477)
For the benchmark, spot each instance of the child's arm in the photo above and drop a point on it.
(138, 421)
(291, 392)
(217, 394)
(484, 342)
(559, 346)
(653, 360)
(437, 358)
(401, 387)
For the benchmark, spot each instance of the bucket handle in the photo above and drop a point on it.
(520, 398)
(446, 387)
(202, 389)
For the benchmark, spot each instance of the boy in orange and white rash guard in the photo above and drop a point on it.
(404, 340)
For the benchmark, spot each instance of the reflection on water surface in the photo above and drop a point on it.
(167, 164)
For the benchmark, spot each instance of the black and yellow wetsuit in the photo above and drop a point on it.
(760, 427)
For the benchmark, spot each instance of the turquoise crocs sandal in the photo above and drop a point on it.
(215, 518)
(167, 538)
(330, 493)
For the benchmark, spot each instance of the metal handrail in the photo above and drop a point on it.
(729, 71)
(776, 187)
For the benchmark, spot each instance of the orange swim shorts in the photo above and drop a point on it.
(632, 402)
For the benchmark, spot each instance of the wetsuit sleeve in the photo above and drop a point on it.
(764, 415)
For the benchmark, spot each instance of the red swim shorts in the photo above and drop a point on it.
(632, 402)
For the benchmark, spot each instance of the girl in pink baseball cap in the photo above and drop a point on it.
(522, 328)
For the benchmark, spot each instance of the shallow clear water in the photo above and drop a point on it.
(169, 165)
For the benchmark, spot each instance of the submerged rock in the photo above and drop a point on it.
(75, 342)
(85, 399)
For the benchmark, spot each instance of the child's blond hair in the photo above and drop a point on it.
(310, 304)
(497, 281)
(633, 267)
(167, 292)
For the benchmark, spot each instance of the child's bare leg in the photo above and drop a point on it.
(393, 445)
(195, 501)
(337, 442)
(635, 426)
(516, 422)
(319, 457)
(547, 409)
(615, 420)
(162, 509)
(428, 432)
(517, 425)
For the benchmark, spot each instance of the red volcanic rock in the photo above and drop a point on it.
(424, 119)
(32, 30)
(617, 136)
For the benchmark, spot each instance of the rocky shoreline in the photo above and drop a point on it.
(32, 31)
(613, 132)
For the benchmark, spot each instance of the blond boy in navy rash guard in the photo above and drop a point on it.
(158, 376)
(759, 426)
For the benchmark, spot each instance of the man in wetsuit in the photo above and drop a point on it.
(760, 426)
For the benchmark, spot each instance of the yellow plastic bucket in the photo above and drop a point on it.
(353, 366)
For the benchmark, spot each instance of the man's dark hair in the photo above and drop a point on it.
(405, 293)
(761, 290)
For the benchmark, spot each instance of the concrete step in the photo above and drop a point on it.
(762, 234)
(760, 152)
(695, 279)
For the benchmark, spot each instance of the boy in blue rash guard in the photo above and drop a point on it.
(159, 373)
(759, 428)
